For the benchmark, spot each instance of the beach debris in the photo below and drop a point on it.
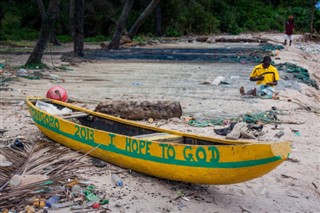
(17, 144)
(246, 133)
(244, 210)
(39, 203)
(30, 209)
(236, 131)
(315, 186)
(37, 170)
(287, 176)
(50, 108)
(263, 117)
(52, 200)
(279, 134)
(98, 163)
(22, 180)
(218, 80)
(293, 160)
(225, 131)
(296, 132)
(116, 180)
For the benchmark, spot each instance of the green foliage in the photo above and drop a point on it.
(98, 38)
(172, 32)
(3, 36)
(18, 34)
(21, 20)
(64, 38)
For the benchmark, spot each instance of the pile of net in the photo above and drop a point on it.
(301, 74)
(262, 117)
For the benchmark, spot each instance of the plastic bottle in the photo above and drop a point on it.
(116, 180)
(51, 200)
(76, 189)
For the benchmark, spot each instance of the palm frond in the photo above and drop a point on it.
(37, 158)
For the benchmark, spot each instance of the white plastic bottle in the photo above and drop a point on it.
(116, 180)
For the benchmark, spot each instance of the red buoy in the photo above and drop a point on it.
(57, 93)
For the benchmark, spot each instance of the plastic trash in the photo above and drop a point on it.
(104, 201)
(234, 77)
(116, 180)
(39, 203)
(52, 109)
(51, 200)
(92, 197)
(62, 205)
(76, 189)
(279, 134)
(17, 145)
(22, 73)
(96, 206)
(218, 80)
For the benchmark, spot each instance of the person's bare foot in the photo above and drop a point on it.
(242, 91)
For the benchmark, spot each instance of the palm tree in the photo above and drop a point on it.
(115, 42)
(136, 26)
(77, 10)
(46, 31)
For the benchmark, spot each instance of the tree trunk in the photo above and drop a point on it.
(42, 10)
(136, 26)
(159, 20)
(53, 37)
(45, 33)
(313, 5)
(141, 110)
(71, 17)
(115, 42)
(78, 23)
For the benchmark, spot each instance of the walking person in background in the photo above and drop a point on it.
(267, 78)
(289, 30)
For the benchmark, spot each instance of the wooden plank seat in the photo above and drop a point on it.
(163, 137)
(73, 115)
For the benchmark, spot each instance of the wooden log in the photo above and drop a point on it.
(134, 110)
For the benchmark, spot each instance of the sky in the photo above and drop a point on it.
(318, 5)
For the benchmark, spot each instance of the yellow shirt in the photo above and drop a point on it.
(270, 74)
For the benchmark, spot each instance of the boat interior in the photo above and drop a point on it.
(136, 131)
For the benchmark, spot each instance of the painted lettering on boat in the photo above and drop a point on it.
(84, 133)
(200, 154)
(193, 155)
(190, 153)
(138, 146)
(45, 119)
(168, 151)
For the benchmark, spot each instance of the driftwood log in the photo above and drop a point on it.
(134, 110)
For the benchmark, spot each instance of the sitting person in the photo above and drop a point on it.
(266, 76)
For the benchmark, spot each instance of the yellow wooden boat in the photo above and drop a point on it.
(157, 152)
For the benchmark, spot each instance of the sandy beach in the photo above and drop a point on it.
(291, 187)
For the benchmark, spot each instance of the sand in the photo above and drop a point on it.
(292, 187)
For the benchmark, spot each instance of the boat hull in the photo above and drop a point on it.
(201, 164)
